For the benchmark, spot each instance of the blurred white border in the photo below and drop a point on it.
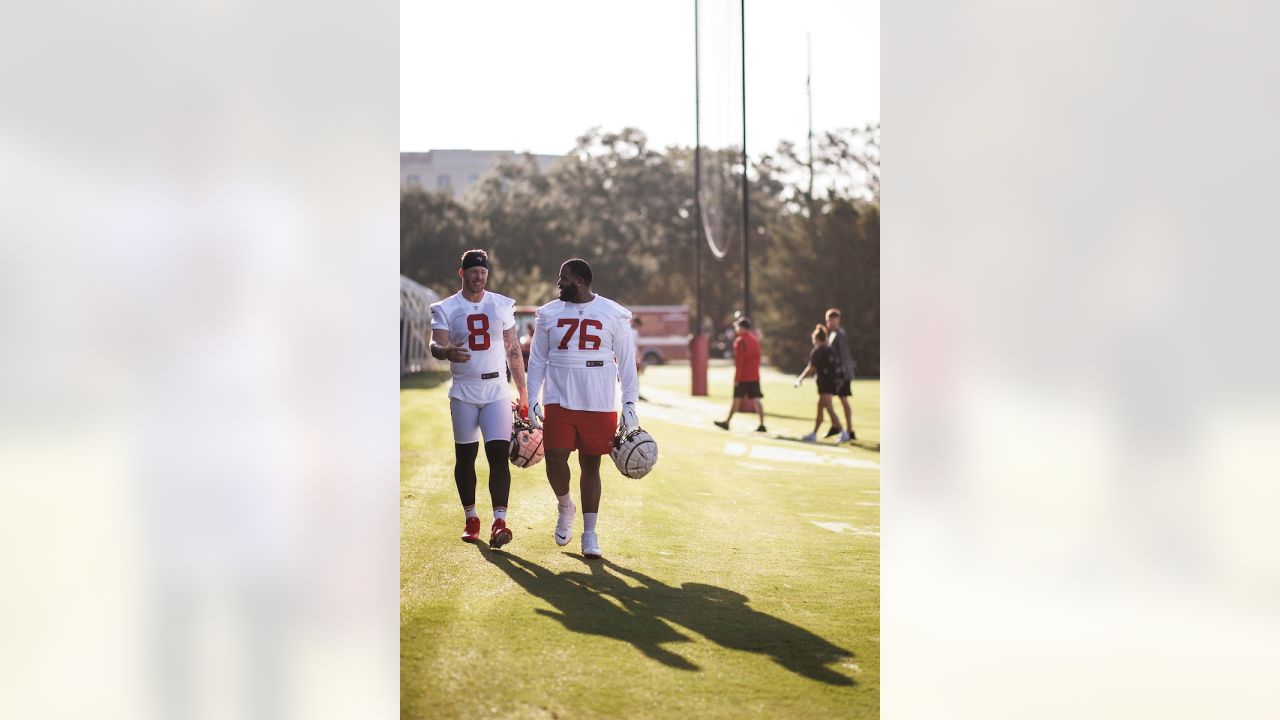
(198, 404)
(1080, 386)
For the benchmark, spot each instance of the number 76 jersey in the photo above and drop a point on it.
(580, 351)
(478, 327)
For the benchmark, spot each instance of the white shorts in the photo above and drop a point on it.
(471, 420)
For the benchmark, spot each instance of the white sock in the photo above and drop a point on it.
(564, 500)
(499, 513)
(589, 522)
(471, 511)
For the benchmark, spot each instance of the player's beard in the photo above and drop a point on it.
(569, 294)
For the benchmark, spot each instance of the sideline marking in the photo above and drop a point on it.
(840, 527)
(782, 454)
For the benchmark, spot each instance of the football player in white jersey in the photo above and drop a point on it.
(475, 331)
(582, 345)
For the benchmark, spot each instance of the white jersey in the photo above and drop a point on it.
(478, 327)
(580, 350)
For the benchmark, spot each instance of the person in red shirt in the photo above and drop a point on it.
(746, 374)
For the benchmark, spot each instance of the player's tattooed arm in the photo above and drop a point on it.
(442, 349)
(515, 362)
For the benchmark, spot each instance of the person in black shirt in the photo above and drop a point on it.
(843, 353)
(825, 368)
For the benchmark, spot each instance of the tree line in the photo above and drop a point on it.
(630, 211)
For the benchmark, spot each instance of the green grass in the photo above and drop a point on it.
(718, 596)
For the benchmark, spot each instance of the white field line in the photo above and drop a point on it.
(841, 527)
(759, 451)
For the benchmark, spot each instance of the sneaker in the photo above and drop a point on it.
(845, 436)
(564, 524)
(833, 431)
(590, 544)
(722, 424)
(761, 429)
(811, 437)
(499, 534)
(472, 532)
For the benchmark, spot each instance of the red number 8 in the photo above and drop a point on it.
(478, 332)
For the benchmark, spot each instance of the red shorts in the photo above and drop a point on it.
(585, 430)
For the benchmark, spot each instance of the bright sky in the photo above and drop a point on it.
(533, 76)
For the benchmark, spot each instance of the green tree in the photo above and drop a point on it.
(627, 209)
(433, 235)
(825, 249)
(516, 216)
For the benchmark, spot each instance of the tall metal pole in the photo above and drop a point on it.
(746, 205)
(699, 349)
(808, 89)
(697, 177)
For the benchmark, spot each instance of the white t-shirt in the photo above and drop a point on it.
(477, 326)
(580, 350)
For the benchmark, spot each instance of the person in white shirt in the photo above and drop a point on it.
(582, 345)
(475, 330)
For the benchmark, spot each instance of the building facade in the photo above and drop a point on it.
(454, 171)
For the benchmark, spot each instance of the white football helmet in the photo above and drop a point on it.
(635, 452)
(526, 442)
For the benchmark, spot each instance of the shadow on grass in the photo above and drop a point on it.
(424, 380)
(780, 416)
(582, 604)
(825, 442)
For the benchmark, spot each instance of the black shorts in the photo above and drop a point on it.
(827, 387)
(842, 389)
(748, 389)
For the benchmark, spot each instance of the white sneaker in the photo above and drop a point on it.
(590, 544)
(844, 436)
(811, 437)
(564, 524)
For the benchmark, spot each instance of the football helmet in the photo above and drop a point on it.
(635, 452)
(526, 441)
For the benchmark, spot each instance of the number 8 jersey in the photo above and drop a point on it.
(478, 327)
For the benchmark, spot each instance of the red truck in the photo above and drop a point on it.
(664, 330)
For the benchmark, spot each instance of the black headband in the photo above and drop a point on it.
(475, 261)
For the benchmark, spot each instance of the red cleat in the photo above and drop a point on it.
(472, 533)
(499, 534)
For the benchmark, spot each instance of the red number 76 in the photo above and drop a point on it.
(586, 341)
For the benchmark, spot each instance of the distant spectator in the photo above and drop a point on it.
(839, 342)
(823, 366)
(526, 342)
(636, 324)
(746, 373)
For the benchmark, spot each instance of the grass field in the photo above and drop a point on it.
(739, 579)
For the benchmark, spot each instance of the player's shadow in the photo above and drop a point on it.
(583, 608)
(780, 416)
(602, 602)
